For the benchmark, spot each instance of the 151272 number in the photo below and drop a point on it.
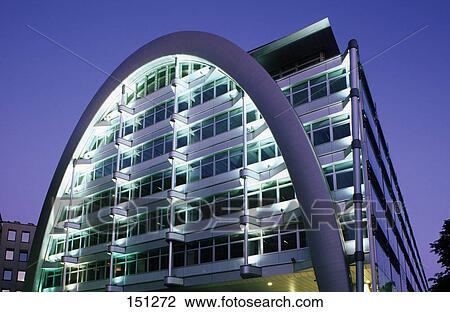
(151, 301)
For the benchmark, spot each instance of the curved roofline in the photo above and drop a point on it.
(325, 244)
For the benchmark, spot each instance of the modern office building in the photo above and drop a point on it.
(198, 166)
(15, 245)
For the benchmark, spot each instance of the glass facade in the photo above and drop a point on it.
(168, 160)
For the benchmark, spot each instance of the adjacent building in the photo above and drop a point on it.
(15, 245)
(199, 166)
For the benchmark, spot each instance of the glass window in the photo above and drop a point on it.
(253, 201)
(161, 78)
(287, 193)
(149, 118)
(180, 175)
(207, 167)
(208, 92)
(270, 244)
(341, 131)
(182, 138)
(252, 156)
(252, 116)
(221, 123)
(268, 152)
(23, 256)
(344, 179)
(184, 70)
(21, 276)
(12, 235)
(194, 134)
(194, 172)
(160, 114)
(253, 247)
(236, 250)
(192, 257)
(221, 86)
(235, 159)
(196, 98)
(318, 87)
(207, 128)
(151, 83)
(235, 118)
(205, 255)
(221, 163)
(330, 181)
(321, 136)
(221, 252)
(158, 147)
(338, 84)
(178, 259)
(289, 241)
(7, 275)
(193, 215)
(183, 103)
(269, 197)
(299, 98)
(9, 254)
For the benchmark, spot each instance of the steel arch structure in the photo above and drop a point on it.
(325, 242)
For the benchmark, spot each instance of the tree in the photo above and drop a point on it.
(441, 247)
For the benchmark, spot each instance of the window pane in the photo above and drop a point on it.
(270, 244)
(287, 193)
(321, 136)
(221, 252)
(235, 162)
(341, 131)
(196, 97)
(23, 256)
(183, 103)
(269, 197)
(9, 254)
(252, 157)
(267, 152)
(236, 250)
(289, 241)
(318, 91)
(207, 129)
(330, 182)
(207, 170)
(338, 84)
(300, 86)
(205, 255)
(208, 95)
(300, 98)
(192, 257)
(221, 124)
(318, 80)
(344, 179)
(7, 275)
(235, 121)
(253, 247)
(12, 235)
(253, 201)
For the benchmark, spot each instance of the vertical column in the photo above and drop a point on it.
(367, 186)
(357, 179)
(116, 191)
(173, 173)
(66, 242)
(171, 235)
(245, 186)
(247, 270)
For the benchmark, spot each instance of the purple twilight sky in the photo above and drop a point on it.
(45, 89)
